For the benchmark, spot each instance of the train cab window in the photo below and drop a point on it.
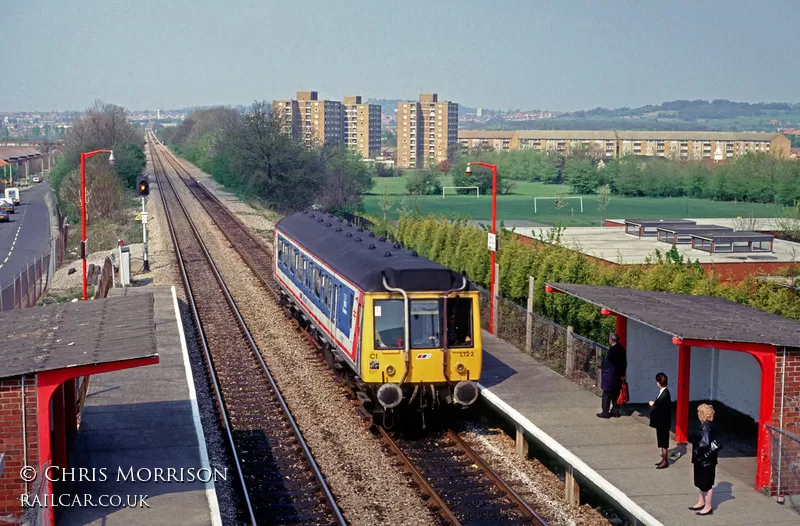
(459, 322)
(426, 327)
(389, 326)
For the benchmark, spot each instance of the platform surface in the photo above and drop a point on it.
(621, 451)
(143, 418)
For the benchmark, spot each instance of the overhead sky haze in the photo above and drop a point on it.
(565, 55)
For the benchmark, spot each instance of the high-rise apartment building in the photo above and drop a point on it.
(426, 130)
(312, 121)
(362, 127)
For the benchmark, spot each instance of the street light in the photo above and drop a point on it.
(84, 156)
(493, 236)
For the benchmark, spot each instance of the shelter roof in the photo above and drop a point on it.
(689, 229)
(735, 236)
(74, 334)
(691, 317)
(660, 222)
(361, 257)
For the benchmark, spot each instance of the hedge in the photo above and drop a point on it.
(462, 247)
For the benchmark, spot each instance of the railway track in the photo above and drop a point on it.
(280, 480)
(463, 488)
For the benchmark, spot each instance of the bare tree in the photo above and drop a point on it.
(747, 224)
(385, 202)
(603, 199)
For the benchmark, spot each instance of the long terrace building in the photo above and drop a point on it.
(677, 145)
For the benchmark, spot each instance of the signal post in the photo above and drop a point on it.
(144, 191)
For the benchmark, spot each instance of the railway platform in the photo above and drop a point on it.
(616, 456)
(135, 423)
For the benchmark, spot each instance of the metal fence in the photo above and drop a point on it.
(554, 345)
(785, 461)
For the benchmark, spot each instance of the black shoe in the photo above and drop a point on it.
(709, 512)
(662, 465)
(601, 415)
(695, 508)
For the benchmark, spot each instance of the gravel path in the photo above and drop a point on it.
(368, 487)
(537, 484)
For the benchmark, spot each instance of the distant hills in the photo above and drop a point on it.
(721, 114)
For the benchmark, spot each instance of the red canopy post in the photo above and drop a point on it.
(765, 355)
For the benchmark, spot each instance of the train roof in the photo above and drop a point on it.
(362, 258)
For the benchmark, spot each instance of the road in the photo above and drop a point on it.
(27, 236)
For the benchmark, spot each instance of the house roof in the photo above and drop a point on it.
(361, 258)
(485, 134)
(69, 335)
(691, 317)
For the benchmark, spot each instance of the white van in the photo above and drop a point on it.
(12, 194)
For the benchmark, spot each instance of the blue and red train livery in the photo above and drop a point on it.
(406, 330)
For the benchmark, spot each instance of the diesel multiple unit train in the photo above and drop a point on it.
(405, 331)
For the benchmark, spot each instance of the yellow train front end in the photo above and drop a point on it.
(422, 350)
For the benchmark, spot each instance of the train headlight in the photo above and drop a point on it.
(465, 392)
(390, 395)
(460, 368)
(390, 371)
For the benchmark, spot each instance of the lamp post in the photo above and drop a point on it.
(493, 248)
(84, 156)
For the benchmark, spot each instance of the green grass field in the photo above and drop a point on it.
(519, 205)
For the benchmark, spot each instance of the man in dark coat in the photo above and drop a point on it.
(614, 367)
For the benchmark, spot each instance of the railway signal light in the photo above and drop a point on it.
(144, 187)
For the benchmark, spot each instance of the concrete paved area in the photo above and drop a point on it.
(614, 245)
(144, 419)
(618, 455)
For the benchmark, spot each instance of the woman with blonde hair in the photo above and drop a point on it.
(704, 459)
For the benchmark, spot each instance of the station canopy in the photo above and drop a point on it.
(690, 317)
(69, 335)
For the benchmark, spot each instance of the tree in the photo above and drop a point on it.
(423, 182)
(603, 199)
(346, 178)
(385, 202)
(560, 202)
(582, 175)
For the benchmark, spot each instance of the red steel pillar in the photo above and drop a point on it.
(622, 330)
(682, 413)
(59, 429)
(764, 460)
(71, 406)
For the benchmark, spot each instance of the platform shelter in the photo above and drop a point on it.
(668, 332)
(44, 351)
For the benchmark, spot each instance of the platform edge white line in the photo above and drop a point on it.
(211, 493)
(609, 489)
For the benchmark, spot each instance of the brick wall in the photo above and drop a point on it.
(12, 443)
(787, 384)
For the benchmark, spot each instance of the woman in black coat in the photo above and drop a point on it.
(661, 418)
(704, 459)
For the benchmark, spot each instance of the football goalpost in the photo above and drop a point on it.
(477, 190)
(565, 197)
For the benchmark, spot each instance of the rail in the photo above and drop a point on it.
(256, 468)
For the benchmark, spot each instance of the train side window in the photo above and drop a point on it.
(389, 324)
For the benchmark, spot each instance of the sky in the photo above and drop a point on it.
(561, 55)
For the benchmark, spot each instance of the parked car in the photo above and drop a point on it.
(37, 179)
(6, 206)
(4, 216)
